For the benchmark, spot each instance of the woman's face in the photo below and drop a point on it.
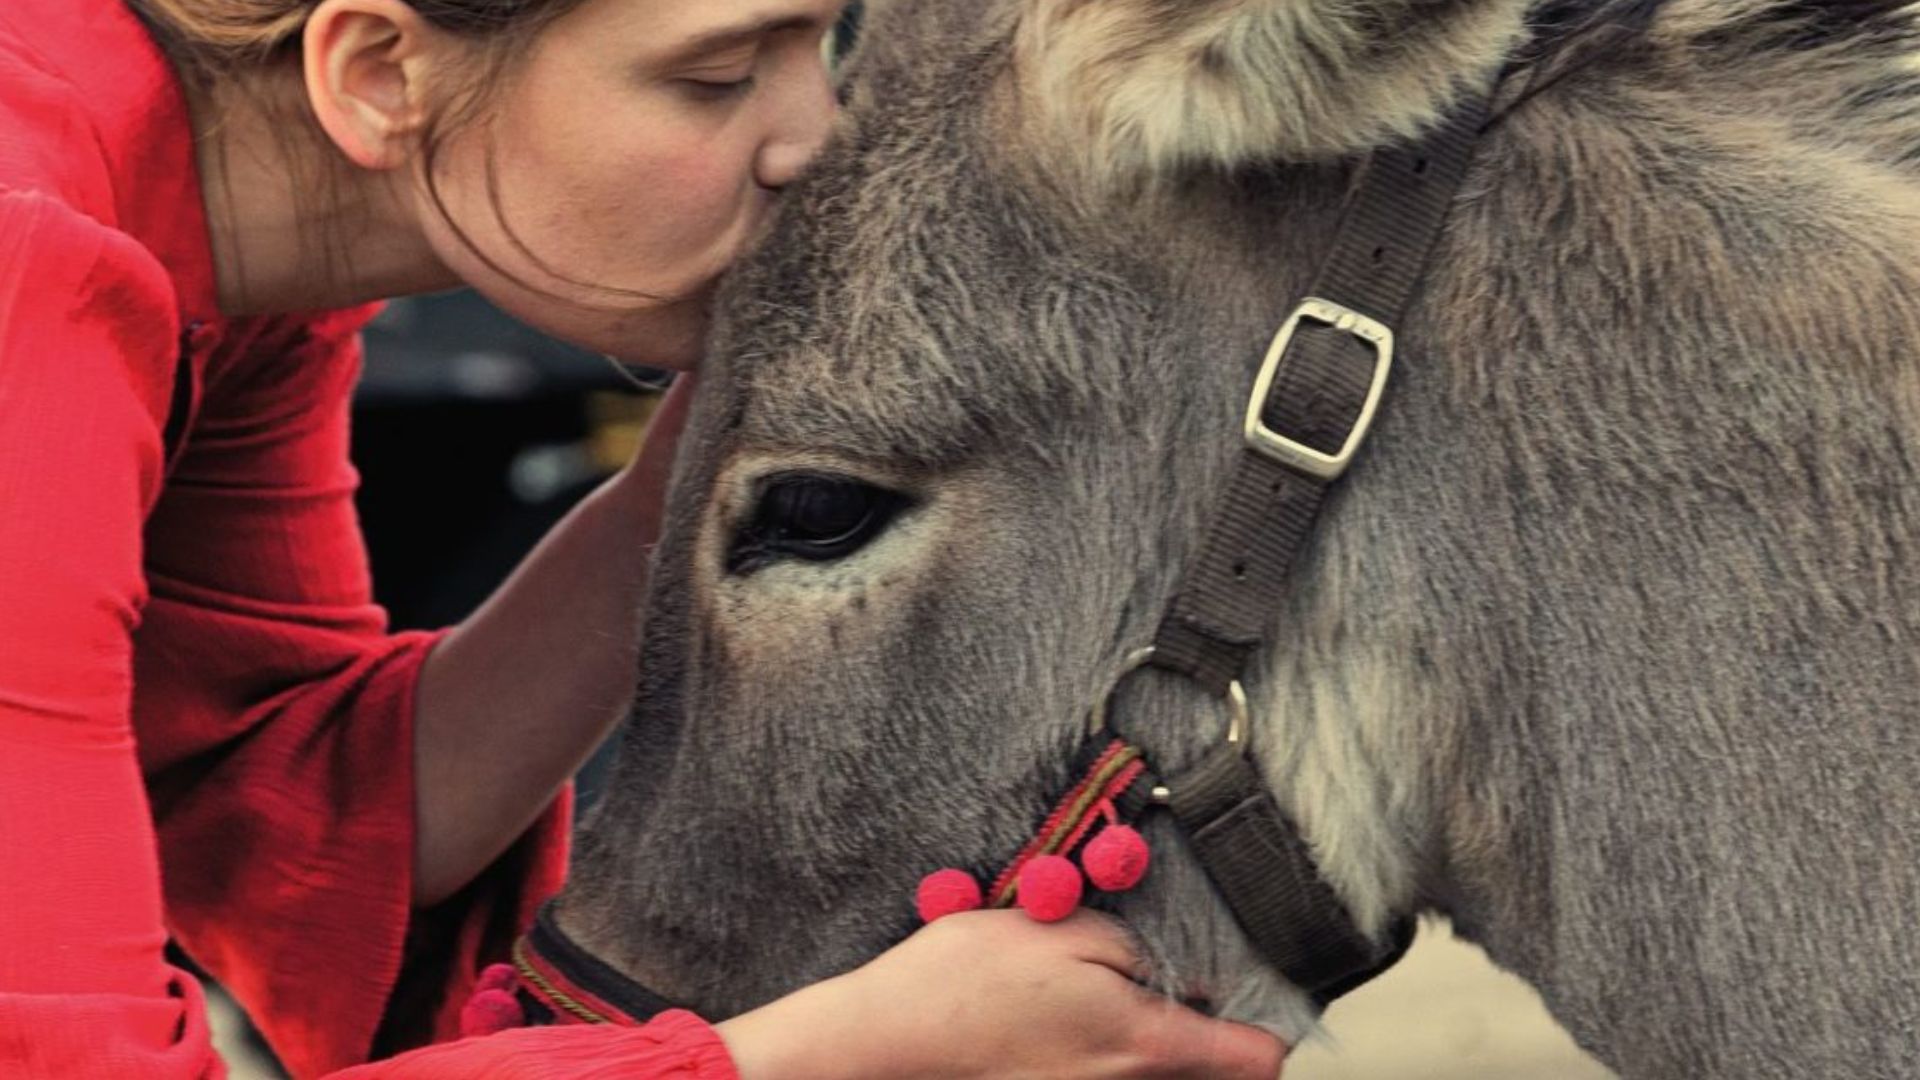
(635, 152)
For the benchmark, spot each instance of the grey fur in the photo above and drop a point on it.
(1609, 648)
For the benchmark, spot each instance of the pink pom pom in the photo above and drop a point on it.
(1050, 887)
(1117, 859)
(489, 1011)
(496, 977)
(946, 892)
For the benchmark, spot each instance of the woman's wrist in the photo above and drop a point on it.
(798, 1036)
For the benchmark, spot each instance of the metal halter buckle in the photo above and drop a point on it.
(1239, 717)
(1291, 452)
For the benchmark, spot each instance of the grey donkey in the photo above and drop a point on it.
(1608, 648)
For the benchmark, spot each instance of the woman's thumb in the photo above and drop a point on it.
(1215, 1048)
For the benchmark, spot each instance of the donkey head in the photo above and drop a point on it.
(969, 407)
(963, 418)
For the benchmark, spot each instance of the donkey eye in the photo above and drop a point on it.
(813, 517)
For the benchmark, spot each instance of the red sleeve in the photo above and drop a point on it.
(86, 335)
(272, 718)
(275, 721)
(677, 1045)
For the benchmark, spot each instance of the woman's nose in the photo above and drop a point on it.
(806, 116)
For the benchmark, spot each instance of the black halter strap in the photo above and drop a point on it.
(1317, 392)
(1313, 403)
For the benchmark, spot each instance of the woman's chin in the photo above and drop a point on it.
(674, 345)
(671, 336)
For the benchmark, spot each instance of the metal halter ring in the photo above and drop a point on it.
(1236, 700)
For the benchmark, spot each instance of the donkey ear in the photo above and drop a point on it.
(1155, 86)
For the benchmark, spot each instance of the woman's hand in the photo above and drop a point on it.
(993, 993)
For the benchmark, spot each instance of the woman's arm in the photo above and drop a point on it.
(85, 344)
(979, 994)
(519, 695)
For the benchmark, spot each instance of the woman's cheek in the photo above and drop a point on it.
(696, 200)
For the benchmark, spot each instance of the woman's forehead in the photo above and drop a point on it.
(686, 30)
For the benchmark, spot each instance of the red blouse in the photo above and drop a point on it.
(204, 724)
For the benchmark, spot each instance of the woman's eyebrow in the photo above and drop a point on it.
(723, 38)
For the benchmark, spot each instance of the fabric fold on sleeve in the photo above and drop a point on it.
(275, 718)
(289, 873)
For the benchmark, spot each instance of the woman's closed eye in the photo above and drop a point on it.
(719, 87)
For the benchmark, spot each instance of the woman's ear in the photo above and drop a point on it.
(366, 66)
(1146, 88)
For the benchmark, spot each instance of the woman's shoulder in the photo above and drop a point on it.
(57, 259)
(95, 116)
(73, 288)
(51, 146)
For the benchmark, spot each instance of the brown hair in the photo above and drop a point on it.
(214, 40)
(212, 36)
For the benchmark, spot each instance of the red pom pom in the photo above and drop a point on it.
(946, 892)
(1117, 859)
(1050, 887)
(496, 977)
(489, 1011)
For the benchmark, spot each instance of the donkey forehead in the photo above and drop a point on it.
(956, 334)
(956, 272)
(915, 294)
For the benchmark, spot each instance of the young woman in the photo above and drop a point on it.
(205, 729)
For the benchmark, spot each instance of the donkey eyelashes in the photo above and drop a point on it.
(815, 517)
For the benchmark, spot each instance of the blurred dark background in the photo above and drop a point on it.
(474, 435)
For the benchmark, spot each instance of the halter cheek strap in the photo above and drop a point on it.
(1314, 400)
(1263, 869)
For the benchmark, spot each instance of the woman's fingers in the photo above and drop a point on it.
(1104, 940)
(1178, 1038)
(1187, 1043)
(996, 993)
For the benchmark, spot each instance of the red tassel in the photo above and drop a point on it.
(1050, 887)
(489, 1011)
(1117, 859)
(946, 892)
(496, 977)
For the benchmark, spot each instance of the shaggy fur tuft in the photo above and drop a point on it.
(1149, 88)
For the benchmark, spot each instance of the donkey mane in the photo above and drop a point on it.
(1848, 71)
